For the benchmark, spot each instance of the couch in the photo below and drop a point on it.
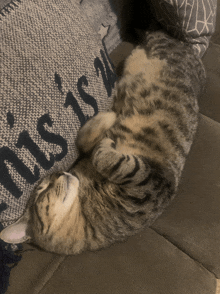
(179, 253)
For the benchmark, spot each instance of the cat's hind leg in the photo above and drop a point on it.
(93, 130)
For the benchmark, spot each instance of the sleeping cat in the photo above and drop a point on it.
(131, 157)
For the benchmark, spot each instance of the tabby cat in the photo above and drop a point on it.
(131, 157)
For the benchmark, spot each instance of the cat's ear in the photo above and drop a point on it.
(17, 232)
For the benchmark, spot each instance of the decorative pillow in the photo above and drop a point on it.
(55, 74)
(102, 15)
(193, 20)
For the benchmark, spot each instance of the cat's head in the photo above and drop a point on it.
(45, 221)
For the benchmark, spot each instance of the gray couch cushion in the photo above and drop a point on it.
(192, 221)
(146, 263)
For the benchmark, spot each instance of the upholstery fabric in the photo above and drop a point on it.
(192, 221)
(103, 16)
(55, 74)
(146, 263)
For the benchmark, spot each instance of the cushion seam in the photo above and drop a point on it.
(47, 274)
(183, 251)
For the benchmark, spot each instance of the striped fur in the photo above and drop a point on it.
(132, 157)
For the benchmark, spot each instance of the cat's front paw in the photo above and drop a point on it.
(93, 130)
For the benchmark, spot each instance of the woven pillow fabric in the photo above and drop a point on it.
(193, 20)
(55, 74)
